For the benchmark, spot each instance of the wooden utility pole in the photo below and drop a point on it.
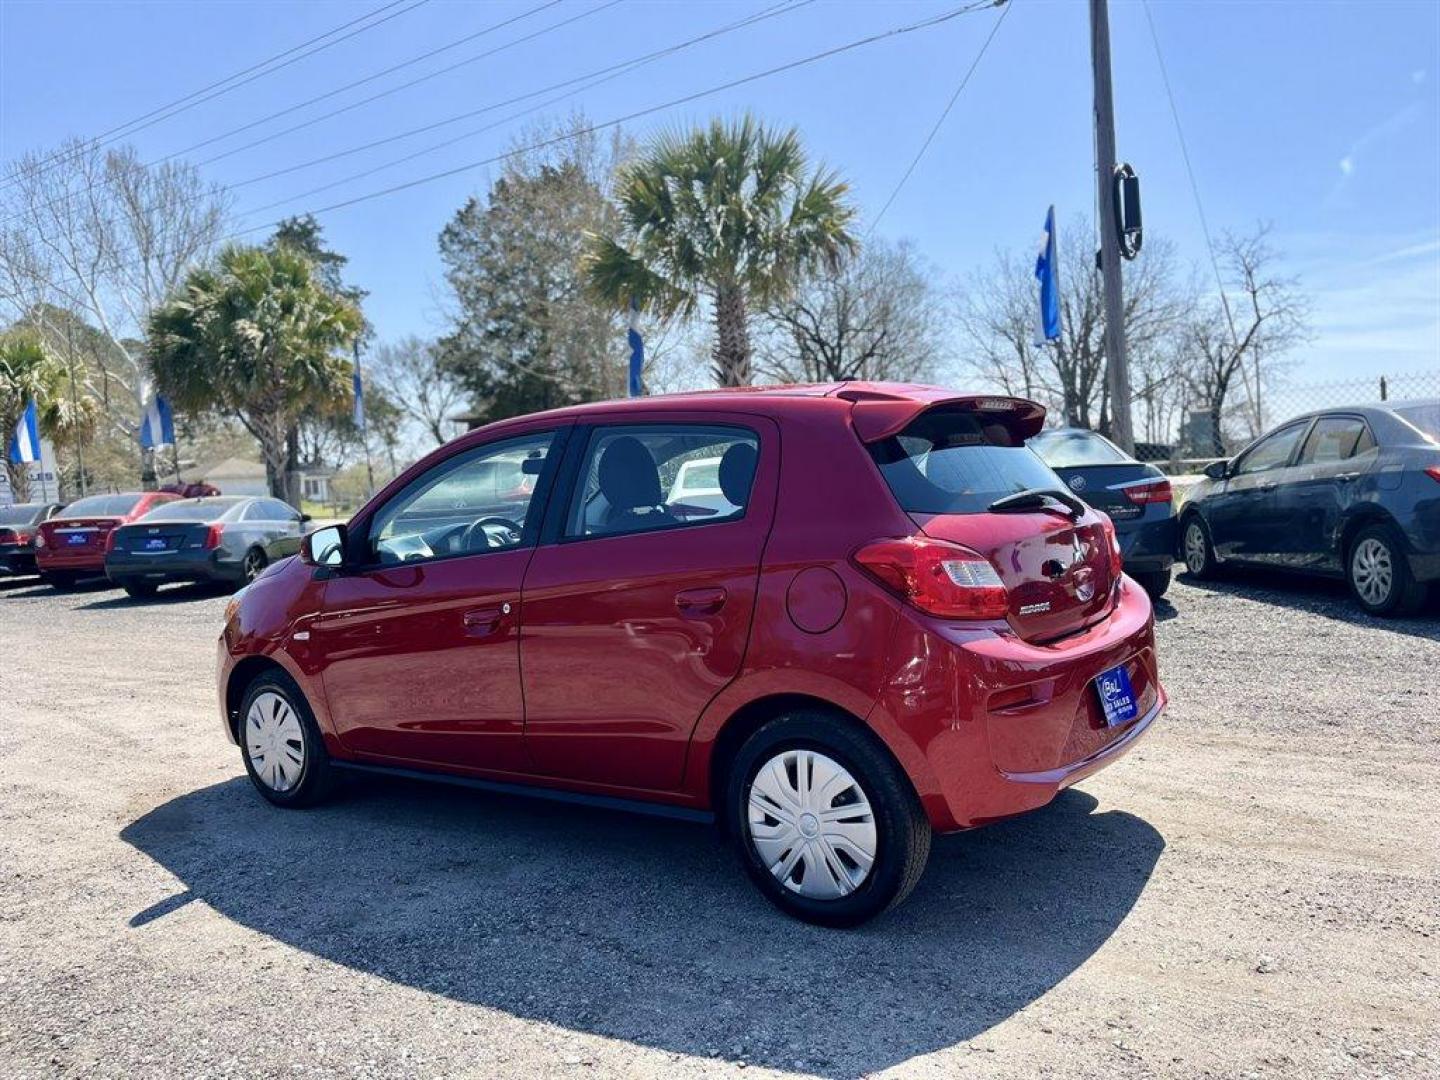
(1117, 369)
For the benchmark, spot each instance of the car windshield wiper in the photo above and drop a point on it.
(1038, 499)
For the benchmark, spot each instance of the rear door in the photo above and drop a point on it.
(637, 611)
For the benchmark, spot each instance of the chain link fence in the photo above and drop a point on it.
(1188, 437)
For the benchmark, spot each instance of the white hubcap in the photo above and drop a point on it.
(1372, 571)
(1194, 548)
(811, 824)
(275, 742)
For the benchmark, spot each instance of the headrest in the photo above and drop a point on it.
(737, 470)
(628, 476)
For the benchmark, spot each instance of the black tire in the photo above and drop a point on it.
(140, 590)
(1404, 594)
(1199, 557)
(316, 776)
(254, 565)
(61, 580)
(1154, 582)
(902, 830)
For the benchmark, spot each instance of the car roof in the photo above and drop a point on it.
(879, 408)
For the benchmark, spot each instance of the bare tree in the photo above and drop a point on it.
(1266, 318)
(100, 235)
(997, 317)
(871, 317)
(410, 373)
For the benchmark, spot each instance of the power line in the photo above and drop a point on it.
(1190, 172)
(590, 80)
(939, 122)
(189, 101)
(68, 195)
(825, 54)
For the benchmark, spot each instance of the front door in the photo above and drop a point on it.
(637, 607)
(422, 644)
(1244, 519)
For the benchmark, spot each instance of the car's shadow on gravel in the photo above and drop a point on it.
(647, 930)
(174, 594)
(1318, 596)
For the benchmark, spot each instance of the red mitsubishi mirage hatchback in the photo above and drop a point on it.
(862, 614)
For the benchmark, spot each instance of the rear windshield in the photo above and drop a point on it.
(208, 510)
(958, 463)
(1076, 449)
(1424, 417)
(101, 505)
(20, 514)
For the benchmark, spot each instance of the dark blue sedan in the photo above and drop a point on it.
(1352, 493)
(1136, 496)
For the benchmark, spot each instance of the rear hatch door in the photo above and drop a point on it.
(949, 465)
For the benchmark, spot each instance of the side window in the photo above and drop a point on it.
(1336, 438)
(255, 512)
(662, 476)
(1272, 452)
(471, 503)
(275, 510)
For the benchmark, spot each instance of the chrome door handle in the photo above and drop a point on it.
(482, 622)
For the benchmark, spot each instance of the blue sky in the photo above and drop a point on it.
(1320, 118)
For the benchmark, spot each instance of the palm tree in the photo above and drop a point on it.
(731, 213)
(259, 337)
(29, 372)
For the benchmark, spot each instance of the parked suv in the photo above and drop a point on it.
(902, 623)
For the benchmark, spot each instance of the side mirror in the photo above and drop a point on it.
(1218, 470)
(324, 547)
(304, 518)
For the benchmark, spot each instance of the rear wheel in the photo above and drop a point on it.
(1154, 582)
(1379, 573)
(255, 563)
(1196, 548)
(284, 753)
(140, 590)
(826, 824)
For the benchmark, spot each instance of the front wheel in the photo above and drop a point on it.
(825, 823)
(284, 753)
(1379, 573)
(1196, 548)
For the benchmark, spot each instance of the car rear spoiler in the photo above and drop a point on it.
(878, 415)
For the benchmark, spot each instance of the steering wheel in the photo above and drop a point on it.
(467, 538)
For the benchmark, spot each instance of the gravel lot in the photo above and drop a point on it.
(1253, 892)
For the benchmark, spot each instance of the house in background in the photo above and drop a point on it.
(315, 483)
(237, 476)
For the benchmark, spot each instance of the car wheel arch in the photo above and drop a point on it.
(1356, 521)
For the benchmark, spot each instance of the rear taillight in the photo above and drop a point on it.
(939, 578)
(23, 537)
(1433, 472)
(1153, 491)
(212, 537)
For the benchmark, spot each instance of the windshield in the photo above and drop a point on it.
(1074, 449)
(19, 514)
(206, 510)
(102, 506)
(950, 462)
(1425, 417)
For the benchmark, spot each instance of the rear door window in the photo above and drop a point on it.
(958, 462)
(640, 478)
(1336, 438)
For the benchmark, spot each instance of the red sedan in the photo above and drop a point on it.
(887, 617)
(71, 545)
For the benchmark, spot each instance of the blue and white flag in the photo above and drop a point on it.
(1047, 272)
(25, 439)
(637, 352)
(157, 424)
(358, 415)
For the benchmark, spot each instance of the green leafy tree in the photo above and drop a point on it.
(29, 371)
(258, 337)
(526, 333)
(731, 214)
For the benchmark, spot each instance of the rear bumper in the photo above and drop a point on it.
(49, 560)
(17, 559)
(1148, 545)
(172, 566)
(990, 726)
